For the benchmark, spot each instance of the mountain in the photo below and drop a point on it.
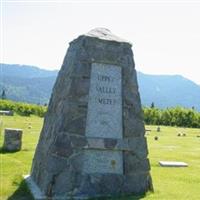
(25, 71)
(34, 85)
(27, 83)
(168, 91)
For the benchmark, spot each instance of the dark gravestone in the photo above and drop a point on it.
(92, 143)
(12, 139)
(158, 129)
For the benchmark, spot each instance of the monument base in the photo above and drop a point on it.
(39, 195)
(34, 189)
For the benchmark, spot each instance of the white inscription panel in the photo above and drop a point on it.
(96, 161)
(104, 118)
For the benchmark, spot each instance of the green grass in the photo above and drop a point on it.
(169, 183)
(14, 165)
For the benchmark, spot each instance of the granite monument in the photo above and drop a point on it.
(92, 143)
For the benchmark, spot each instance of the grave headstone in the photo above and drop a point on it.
(12, 139)
(172, 164)
(92, 143)
(6, 112)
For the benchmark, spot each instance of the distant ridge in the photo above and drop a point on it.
(27, 83)
(34, 85)
(26, 71)
(168, 91)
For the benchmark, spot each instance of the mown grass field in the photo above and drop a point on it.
(169, 183)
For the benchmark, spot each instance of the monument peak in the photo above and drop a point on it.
(105, 34)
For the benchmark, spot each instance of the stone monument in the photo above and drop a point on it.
(12, 139)
(92, 143)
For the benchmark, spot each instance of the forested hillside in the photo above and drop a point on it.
(34, 85)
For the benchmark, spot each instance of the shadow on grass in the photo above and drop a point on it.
(22, 192)
(3, 151)
(126, 197)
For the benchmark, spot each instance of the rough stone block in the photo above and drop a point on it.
(12, 139)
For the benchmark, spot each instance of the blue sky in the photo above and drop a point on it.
(165, 34)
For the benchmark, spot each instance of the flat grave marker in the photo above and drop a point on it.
(172, 164)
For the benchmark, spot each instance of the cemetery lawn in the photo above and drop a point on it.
(169, 183)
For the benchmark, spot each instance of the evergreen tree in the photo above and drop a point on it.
(3, 95)
(152, 105)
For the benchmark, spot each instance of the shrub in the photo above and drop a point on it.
(177, 116)
(23, 109)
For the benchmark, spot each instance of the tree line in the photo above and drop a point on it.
(23, 109)
(177, 116)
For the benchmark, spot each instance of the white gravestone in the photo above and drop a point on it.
(104, 118)
(173, 164)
